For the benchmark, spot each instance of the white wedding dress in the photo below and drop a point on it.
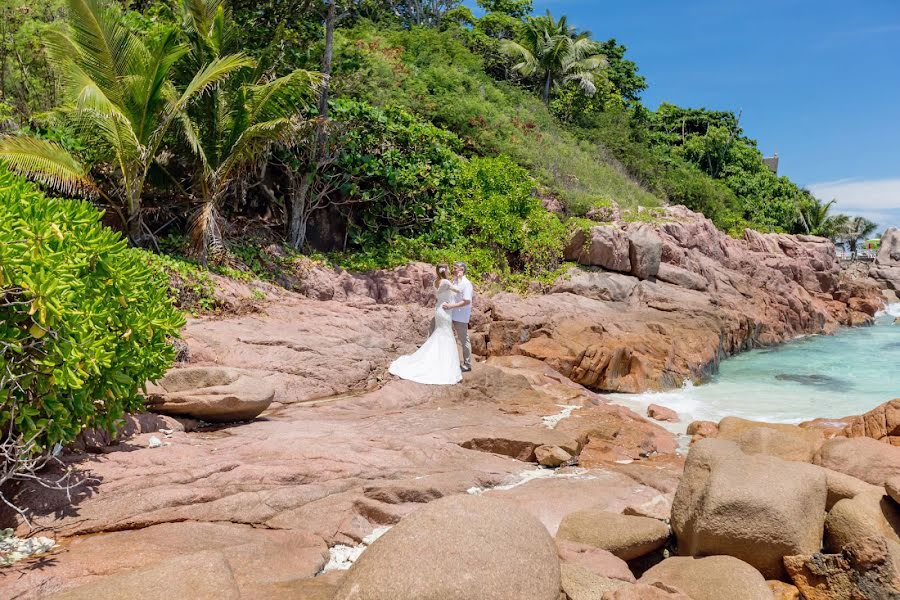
(437, 361)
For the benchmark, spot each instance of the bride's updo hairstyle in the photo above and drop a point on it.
(443, 272)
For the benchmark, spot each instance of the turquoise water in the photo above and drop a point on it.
(844, 374)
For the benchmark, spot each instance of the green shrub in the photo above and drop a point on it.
(498, 212)
(84, 320)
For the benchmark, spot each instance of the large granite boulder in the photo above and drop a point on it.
(866, 515)
(754, 507)
(681, 277)
(889, 252)
(213, 394)
(867, 568)
(625, 536)
(645, 251)
(710, 578)
(842, 486)
(788, 442)
(642, 591)
(458, 548)
(609, 287)
(864, 458)
(601, 246)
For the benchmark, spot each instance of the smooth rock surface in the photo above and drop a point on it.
(863, 458)
(213, 394)
(788, 442)
(870, 514)
(754, 507)
(661, 413)
(598, 561)
(579, 583)
(625, 536)
(458, 548)
(641, 591)
(710, 578)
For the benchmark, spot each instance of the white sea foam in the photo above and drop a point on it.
(848, 373)
(524, 477)
(341, 557)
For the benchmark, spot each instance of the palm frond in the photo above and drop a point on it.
(527, 65)
(251, 146)
(282, 97)
(47, 163)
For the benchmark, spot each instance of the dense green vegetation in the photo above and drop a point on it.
(181, 116)
(84, 322)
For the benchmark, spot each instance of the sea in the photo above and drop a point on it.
(847, 373)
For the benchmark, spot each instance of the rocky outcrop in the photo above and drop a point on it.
(867, 568)
(705, 297)
(710, 578)
(753, 507)
(886, 270)
(212, 394)
(625, 536)
(457, 548)
(881, 423)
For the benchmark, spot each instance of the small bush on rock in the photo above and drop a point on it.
(84, 322)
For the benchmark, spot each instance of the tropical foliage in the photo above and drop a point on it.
(84, 322)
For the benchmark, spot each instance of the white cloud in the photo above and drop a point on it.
(875, 199)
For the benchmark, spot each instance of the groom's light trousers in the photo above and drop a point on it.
(462, 334)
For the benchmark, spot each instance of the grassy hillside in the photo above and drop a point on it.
(432, 74)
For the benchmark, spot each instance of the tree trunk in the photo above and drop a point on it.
(327, 59)
(299, 211)
(547, 88)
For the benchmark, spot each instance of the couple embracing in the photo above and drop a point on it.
(437, 361)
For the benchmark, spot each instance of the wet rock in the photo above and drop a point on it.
(609, 433)
(458, 547)
(551, 456)
(754, 507)
(661, 413)
(869, 514)
(213, 394)
(864, 458)
(600, 562)
(625, 536)
(866, 568)
(710, 578)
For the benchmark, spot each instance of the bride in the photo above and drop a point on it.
(437, 361)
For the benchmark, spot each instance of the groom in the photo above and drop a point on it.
(462, 312)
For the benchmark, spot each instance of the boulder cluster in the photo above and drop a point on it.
(762, 511)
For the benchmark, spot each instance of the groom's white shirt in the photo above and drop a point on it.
(466, 292)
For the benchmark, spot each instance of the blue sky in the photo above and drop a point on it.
(818, 81)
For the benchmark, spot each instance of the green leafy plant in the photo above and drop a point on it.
(85, 321)
(122, 100)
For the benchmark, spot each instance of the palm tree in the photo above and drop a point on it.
(818, 220)
(121, 101)
(554, 53)
(856, 229)
(234, 127)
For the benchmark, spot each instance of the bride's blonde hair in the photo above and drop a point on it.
(442, 272)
